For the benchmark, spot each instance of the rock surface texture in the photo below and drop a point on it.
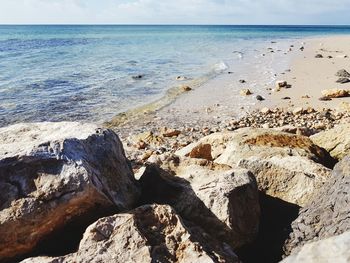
(222, 200)
(333, 249)
(286, 166)
(336, 140)
(51, 173)
(327, 214)
(151, 233)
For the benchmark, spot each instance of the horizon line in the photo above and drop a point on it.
(156, 24)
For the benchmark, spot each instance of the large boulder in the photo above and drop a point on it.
(327, 213)
(221, 200)
(336, 140)
(52, 173)
(151, 233)
(286, 166)
(333, 249)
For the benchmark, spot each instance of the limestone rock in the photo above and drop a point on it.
(327, 213)
(335, 93)
(151, 233)
(51, 173)
(286, 166)
(336, 140)
(333, 249)
(221, 200)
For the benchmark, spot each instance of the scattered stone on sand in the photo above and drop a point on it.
(319, 56)
(265, 110)
(323, 98)
(137, 76)
(343, 74)
(242, 81)
(245, 92)
(259, 98)
(53, 173)
(305, 97)
(298, 111)
(332, 249)
(186, 88)
(329, 57)
(169, 132)
(343, 80)
(335, 93)
(285, 98)
(327, 212)
(181, 78)
(302, 48)
(281, 84)
(151, 233)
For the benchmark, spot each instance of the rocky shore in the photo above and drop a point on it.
(271, 186)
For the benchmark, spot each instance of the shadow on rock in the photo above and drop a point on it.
(275, 227)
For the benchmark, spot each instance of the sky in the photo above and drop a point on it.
(247, 12)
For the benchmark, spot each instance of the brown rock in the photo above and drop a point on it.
(201, 151)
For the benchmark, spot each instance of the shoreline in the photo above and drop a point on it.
(218, 100)
(215, 94)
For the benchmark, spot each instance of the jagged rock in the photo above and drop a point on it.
(51, 173)
(335, 140)
(343, 74)
(333, 249)
(335, 93)
(286, 166)
(151, 233)
(327, 213)
(221, 200)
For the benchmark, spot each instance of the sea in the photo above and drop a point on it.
(94, 72)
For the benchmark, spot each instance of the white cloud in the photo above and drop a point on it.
(175, 11)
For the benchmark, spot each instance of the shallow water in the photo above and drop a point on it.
(53, 73)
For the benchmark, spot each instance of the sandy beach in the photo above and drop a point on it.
(310, 75)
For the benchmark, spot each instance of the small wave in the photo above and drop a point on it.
(221, 66)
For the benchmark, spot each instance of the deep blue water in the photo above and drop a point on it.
(86, 72)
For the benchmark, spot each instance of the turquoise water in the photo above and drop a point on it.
(55, 73)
